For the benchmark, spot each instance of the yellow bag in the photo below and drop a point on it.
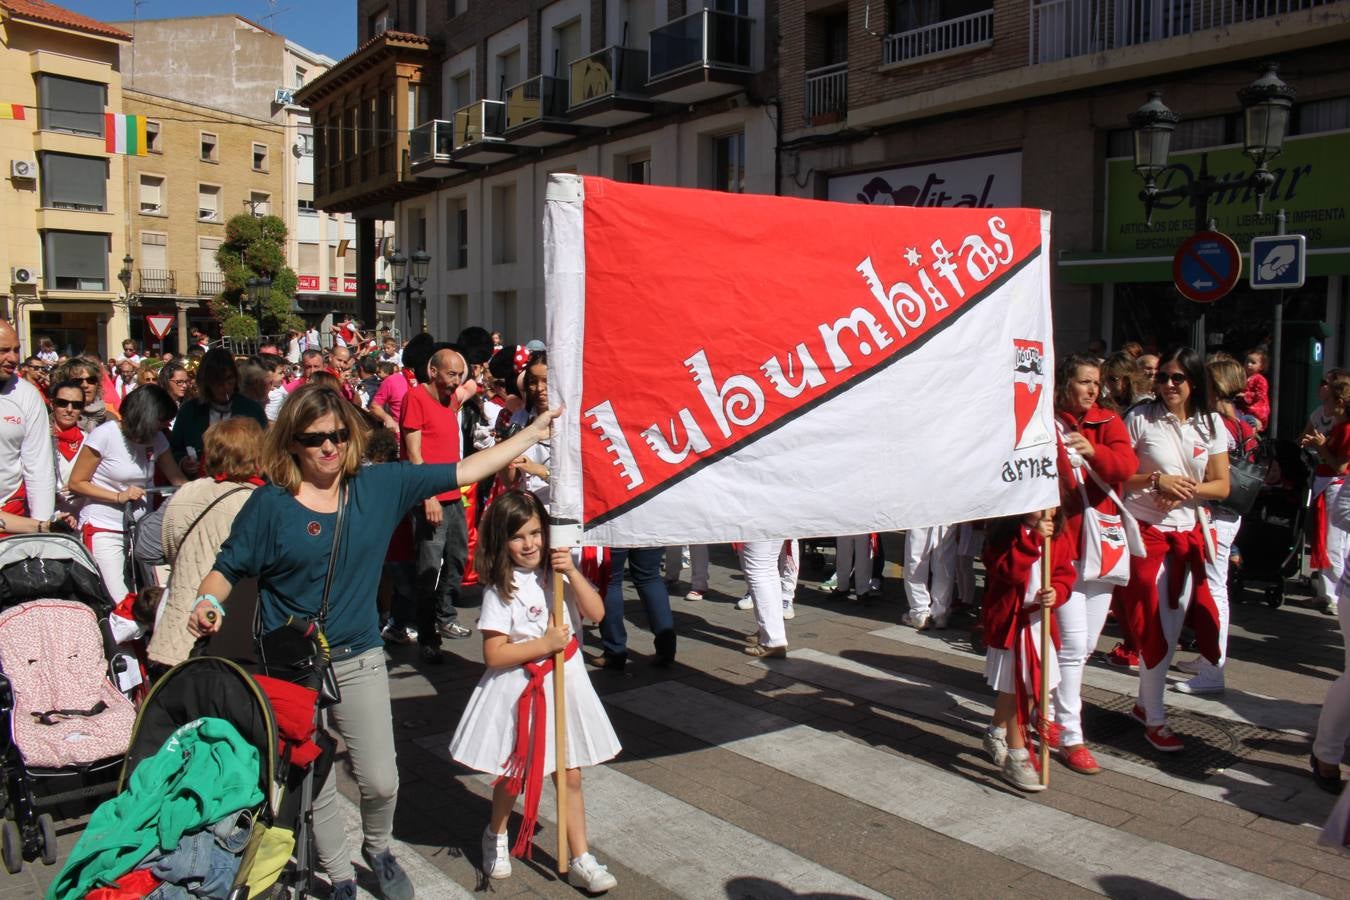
(271, 851)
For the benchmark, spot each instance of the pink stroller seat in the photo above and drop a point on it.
(66, 711)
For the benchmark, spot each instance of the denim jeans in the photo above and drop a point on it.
(203, 864)
(644, 567)
(442, 551)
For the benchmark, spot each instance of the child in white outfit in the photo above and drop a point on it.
(519, 642)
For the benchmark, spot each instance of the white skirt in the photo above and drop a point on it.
(486, 735)
(999, 669)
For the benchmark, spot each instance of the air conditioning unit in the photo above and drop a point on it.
(22, 168)
(284, 96)
(22, 275)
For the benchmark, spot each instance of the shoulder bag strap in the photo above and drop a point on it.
(332, 557)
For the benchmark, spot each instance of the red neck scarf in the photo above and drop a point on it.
(255, 480)
(69, 441)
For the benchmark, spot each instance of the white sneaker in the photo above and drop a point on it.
(1202, 684)
(789, 611)
(917, 621)
(745, 602)
(496, 855)
(1331, 609)
(586, 873)
(1193, 666)
(694, 595)
(830, 583)
(1020, 773)
(996, 745)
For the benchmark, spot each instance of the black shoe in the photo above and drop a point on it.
(836, 594)
(665, 650)
(431, 655)
(609, 661)
(1332, 784)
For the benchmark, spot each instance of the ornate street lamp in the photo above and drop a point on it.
(1152, 124)
(124, 276)
(1266, 104)
(421, 265)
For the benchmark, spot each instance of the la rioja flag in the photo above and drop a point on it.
(740, 367)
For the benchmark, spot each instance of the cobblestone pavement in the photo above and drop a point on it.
(853, 768)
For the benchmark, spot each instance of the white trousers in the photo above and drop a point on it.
(1325, 581)
(789, 566)
(1333, 725)
(760, 560)
(1216, 576)
(1080, 622)
(698, 565)
(930, 568)
(853, 559)
(110, 556)
(1153, 682)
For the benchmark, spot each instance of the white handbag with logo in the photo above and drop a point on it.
(1109, 539)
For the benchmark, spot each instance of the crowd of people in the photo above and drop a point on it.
(275, 466)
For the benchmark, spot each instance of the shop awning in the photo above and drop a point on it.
(1106, 268)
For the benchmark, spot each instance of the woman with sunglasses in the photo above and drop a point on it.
(89, 375)
(67, 404)
(284, 536)
(113, 469)
(1183, 463)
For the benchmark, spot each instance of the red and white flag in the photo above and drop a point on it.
(741, 367)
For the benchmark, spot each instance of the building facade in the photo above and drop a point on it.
(450, 117)
(62, 207)
(1004, 102)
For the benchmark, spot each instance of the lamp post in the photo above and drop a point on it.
(407, 282)
(259, 289)
(124, 276)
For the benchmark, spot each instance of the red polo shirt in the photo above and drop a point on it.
(439, 426)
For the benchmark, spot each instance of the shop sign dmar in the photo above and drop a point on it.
(1309, 187)
(993, 180)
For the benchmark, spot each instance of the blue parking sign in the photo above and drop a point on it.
(1278, 262)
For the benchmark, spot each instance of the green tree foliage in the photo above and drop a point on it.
(254, 247)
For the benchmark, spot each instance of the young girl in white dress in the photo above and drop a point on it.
(514, 563)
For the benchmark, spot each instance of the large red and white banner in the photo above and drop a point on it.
(740, 367)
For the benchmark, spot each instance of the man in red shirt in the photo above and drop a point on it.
(430, 428)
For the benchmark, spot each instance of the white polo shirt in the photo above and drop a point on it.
(26, 448)
(1168, 445)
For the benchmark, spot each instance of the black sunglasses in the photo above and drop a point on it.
(313, 439)
(89, 380)
(77, 405)
(1176, 378)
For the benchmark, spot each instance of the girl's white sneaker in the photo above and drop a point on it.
(496, 855)
(587, 874)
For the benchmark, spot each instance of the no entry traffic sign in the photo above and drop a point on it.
(159, 324)
(1206, 267)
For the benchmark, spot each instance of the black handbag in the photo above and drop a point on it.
(1245, 480)
(298, 651)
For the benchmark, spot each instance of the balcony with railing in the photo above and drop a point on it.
(209, 284)
(1061, 29)
(609, 88)
(705, 54)
(478, 133)
(156, 281)
(429, 147)
(827, 94)
(536, 112)
(959, 34)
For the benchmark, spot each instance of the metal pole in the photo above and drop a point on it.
(1277, 344)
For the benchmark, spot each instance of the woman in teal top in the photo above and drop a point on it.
(284, 537)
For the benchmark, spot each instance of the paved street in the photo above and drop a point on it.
(853, 769)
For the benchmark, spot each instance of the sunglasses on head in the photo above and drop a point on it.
(1177, 379)
(314, 439)
(77, 405)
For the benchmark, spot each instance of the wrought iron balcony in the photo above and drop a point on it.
(209, 284)
(609, 87)
(156, 281)
(536, 112)
(949, 36)
(827, 94)
(429, 148)
(701, 55)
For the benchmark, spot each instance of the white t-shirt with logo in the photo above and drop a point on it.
(1168, 445)
(122, 465)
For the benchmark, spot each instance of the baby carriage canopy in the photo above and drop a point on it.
(38, 566)
(207, 687)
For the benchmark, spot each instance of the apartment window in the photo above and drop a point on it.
(566, 46)
(260, 157)
(300, 73)
(154, 253)
(259, 203)
(304, 141)
(75, 260)
(508, 71)
(152, 144)
(378, 22)
(306, 207)
(504, 312)
(209, 150)
(208, 203)
(209, 279)
(906, 15)
(729, 163)
(1322, 115)
(460, 91)
(72, 105)
(635, 168)
(152, 195)
(504, 224)
(74, 182)
(456, 233)
(308, 260)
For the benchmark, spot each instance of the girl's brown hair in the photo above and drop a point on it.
(231, 449)
(1228, 377)
(506, 515)
(301, 409)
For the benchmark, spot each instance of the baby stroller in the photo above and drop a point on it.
(67, 719)
(1272, 534)
(277, 718)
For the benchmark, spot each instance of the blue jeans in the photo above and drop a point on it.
(644, 567)
(203, 864)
